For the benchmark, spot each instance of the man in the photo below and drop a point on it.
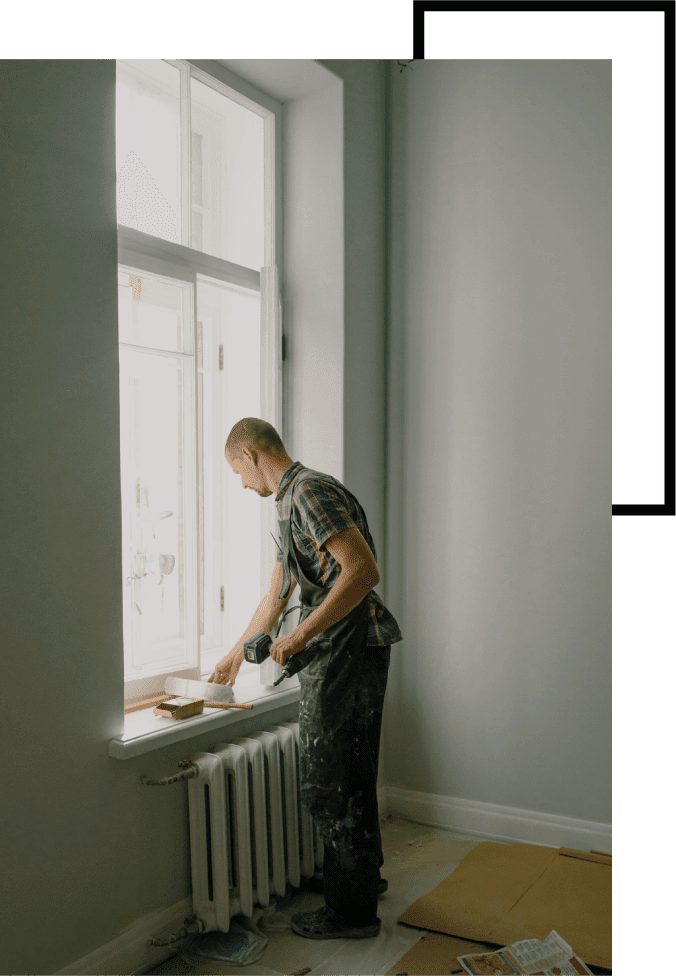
(326, 548)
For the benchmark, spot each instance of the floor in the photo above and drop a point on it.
(417, 859)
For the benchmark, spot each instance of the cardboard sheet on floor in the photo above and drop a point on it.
(436, 953)
(500, 893)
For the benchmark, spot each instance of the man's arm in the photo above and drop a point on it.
(358, 575)
(264, 619)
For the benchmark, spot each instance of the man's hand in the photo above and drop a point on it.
(228, 667)
(284, 647)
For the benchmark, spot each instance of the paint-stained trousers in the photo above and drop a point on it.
(340, 718)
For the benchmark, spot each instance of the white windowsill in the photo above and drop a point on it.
(145, 731)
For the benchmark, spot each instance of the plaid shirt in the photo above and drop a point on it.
(322, 509)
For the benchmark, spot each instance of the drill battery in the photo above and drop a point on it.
(257, 648)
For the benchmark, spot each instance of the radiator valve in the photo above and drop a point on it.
(191, 926)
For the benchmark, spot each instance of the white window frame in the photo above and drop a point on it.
(153, 255)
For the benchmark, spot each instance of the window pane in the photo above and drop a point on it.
(148, 133)
(154, 312)
(231, 516)
(156, 498)
(227, 194)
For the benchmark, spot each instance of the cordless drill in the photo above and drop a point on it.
(257, 649)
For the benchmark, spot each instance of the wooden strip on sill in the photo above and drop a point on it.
(147, 703)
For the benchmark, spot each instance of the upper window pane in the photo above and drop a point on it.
(228, 166)
(148, 140)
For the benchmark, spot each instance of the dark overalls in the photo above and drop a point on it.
(342, 695)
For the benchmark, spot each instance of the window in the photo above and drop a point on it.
(200, 347)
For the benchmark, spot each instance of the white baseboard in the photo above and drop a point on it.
(489, 821)
(130, 952)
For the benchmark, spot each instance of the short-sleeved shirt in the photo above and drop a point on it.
(322, 508)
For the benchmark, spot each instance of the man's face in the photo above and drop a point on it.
(249, 473)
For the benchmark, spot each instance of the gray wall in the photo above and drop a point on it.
(335, 289)
(86, 848)
(313, 286)
(499, 434)
(366, 219)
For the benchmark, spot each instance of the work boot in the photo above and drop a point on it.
(324, 923)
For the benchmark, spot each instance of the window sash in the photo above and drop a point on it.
(270, 376)
(270, 110)
(144, 252)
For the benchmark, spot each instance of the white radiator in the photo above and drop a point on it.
(249, 835)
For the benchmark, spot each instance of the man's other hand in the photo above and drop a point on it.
(228, 667)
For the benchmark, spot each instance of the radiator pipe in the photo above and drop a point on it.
(188, 773)
(193, 926)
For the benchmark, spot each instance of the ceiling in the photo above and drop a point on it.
(283, 79)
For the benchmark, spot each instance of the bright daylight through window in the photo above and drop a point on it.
(200, 345)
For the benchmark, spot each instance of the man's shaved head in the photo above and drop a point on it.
(252, 432)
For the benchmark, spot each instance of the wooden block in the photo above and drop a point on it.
(180, 708)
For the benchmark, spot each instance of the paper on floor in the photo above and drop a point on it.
(547, 957)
